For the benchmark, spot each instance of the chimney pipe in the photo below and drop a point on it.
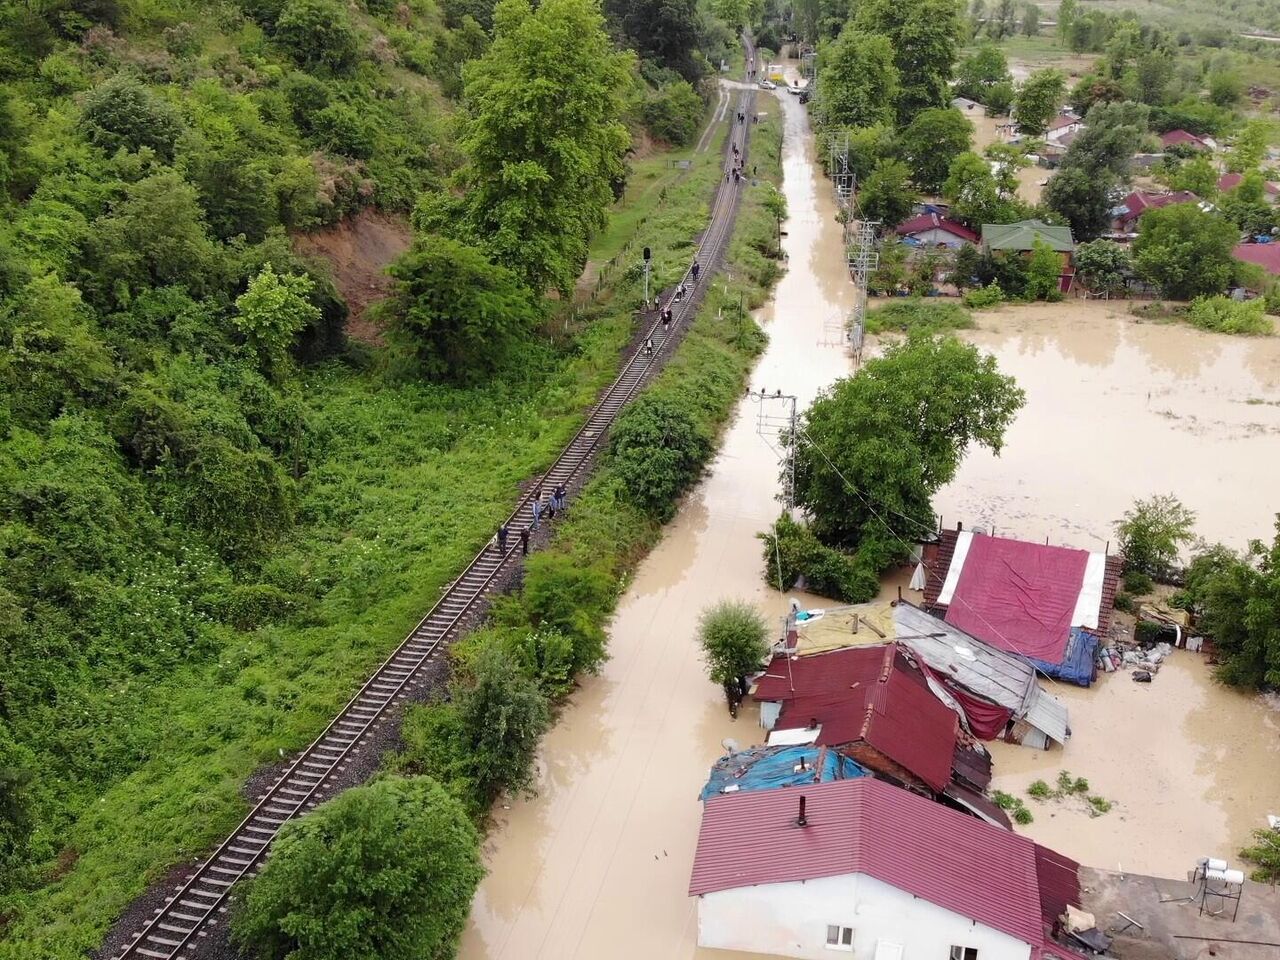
(802, 820)
(813, 723)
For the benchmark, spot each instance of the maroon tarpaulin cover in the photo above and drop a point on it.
(986, 719)
(1018, 596)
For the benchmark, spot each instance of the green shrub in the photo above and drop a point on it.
(658, 451)
(791, 550)
(1138, 583)
(122, 113)
(1005, 801)
(1022, 815)
(385, 870)
(980, 298)
(734, 639)
(1265, 853)
(1152, 532)
(1040, 790)
(918, 315)
(673, 112)
(318, 33)
(1224, 315)
(1124, 602)
(1098, 806)
(563, 594)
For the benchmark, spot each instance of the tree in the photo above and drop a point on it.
(1246, 206)
(385, 870)
(973, 192)
(980, 71)
(886, 195)
(1003, 19)
(1068, 11)
(658, 451)
(673, 112)
(1250, 147)
(123, 114)
(878, 445)
(1196, 175)
(318, 34)
(964, 267)
(1225, 88)
(1152, 532)
(1240, 606)
(456, 312)
(1112, 134)
(1044, 268)
(1030, 20)
(734, 640)
(273, 311)
(544, 141)
(1153, 74)
(931, 142)
(1037, 101)
(924, 36)
(858, 83)
(1093, 89)
(999, 98)
(1103, 266)
(1083, 199)
(1185, 251)
(665, 31)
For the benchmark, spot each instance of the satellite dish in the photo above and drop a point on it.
(730, 745)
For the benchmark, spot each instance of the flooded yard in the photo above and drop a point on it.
(597, 864)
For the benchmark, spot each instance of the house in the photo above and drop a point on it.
(933, 230)
(1265, 255)
(870, 702)
(995, 694)
(767, 768)
(964, 103)
(1229, 181)
(1180, 138)
(1062, 125)
(1048, 604)
(1124, 218)
(864, 868)
(1021, 237)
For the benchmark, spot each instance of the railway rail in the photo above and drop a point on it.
(187, 916)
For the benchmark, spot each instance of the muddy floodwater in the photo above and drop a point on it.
(597, 864)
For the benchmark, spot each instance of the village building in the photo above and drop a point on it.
(931, 230)
(1048, 604)
(1265, 255)
(1062, 125)
(1229, 181)
(1181, 138)
(866, 868)
(1125, 216)
(995, 694)
(1021, 237)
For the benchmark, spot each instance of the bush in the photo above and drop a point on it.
(672, 112)
(1021, 815)
(981, 298)
(318, 33)
(1152, 533)
(1040, 790)
(563, 594)
(917, 315)
(734, 639)
(1224, 315)
(658, 451)
(1124, 602)
(1137, 583)
(1265, 853)
(792, 550)
(122, 113)
(1098, 806)
(385, 870)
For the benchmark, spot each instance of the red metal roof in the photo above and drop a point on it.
(1063, 120)
(867, 826)
(931, 221)
(1229, 181)
(869, 694)
(1140, 201)
(1181, 136)
(1265, 255)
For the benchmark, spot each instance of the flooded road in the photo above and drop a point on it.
(598, 863)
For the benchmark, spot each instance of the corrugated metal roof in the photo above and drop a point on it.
(1059, 880)
(867, 694)
(866, 826)
(998, 676)
(1023, 234)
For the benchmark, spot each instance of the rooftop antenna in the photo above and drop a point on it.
(802, 820)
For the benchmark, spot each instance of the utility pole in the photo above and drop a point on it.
(648, 257)
(776, 424)
(863, 261)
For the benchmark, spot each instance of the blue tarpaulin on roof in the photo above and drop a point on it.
(764, 768)
(1077, 664)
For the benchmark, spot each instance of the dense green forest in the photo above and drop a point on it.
(216, 511)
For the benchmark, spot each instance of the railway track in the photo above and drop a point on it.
(187, 916)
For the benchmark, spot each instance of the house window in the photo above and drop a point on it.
(964, 953)
(839, 938)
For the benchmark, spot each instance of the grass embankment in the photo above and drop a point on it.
(407, 481)
(917, 315)
(573, 587)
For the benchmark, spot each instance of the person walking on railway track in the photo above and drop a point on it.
(557, 497)
(524, 541)
(696, 268)
(648, 347)
(537, 508)
(503, 533)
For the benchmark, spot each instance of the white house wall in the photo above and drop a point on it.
(790, 920)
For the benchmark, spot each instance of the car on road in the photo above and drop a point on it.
(768, 85)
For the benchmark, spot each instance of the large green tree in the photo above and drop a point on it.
(658, 451)
(544, 140)
(455, 311)
(386, 870)
(925, 36)
(1103, 266)
(874, 448)
(665, 31)
(1240, 606)
(1112, 134)
(981, 70)
(1185, 251)
(1038, 100)
(886, 196)
(1082, 198)
(931, 142)
(858, 82)
(976, 196)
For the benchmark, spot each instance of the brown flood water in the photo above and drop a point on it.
(597, 864)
